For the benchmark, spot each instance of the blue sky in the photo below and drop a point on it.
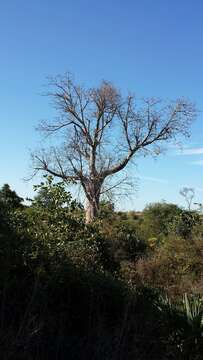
(154, 48)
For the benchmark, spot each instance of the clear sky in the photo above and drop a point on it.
(154, 48)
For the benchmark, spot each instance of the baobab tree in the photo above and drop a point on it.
(104, 131)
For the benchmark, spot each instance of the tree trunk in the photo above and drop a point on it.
(92, 190)
(92, 210)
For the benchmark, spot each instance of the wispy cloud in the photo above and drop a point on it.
(154, 179)
(192, 151)
(197, 162)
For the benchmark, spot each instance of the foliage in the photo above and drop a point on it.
(106, 210)
(184, 223)
(78, 291)
(52, 196)
(176, 266)
(53, 217)
(185, 319)
(127, 243)
(9, 199)
(156, 219)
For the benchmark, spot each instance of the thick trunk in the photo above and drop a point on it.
(92, 210)
(93, 190)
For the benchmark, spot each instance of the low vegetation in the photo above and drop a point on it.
(126, 286)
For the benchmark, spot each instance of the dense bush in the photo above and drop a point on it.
(176, 266)
(156, 218)
(77, 291)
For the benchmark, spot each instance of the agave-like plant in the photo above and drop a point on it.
(192, 332)
(193, 308)
(185, 321)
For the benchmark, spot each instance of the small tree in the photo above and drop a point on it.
(9, 199)
(53, 196)
(103, 132)
(188, 194)
(54, 216)
(156, 219)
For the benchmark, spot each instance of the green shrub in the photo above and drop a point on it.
(175, 266)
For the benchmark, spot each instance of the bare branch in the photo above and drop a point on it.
(103, 132)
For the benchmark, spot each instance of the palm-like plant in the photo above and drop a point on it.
(193, 308)
(185, 323)
(193, 311)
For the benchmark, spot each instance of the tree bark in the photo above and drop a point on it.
(92, 210)
(93, 190)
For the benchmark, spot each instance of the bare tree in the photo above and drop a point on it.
(103, 132)
(188, 194)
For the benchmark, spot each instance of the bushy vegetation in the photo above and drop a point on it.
(128, 286)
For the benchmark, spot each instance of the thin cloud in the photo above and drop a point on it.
(197, 162)
(192, 151)
(153, 179)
